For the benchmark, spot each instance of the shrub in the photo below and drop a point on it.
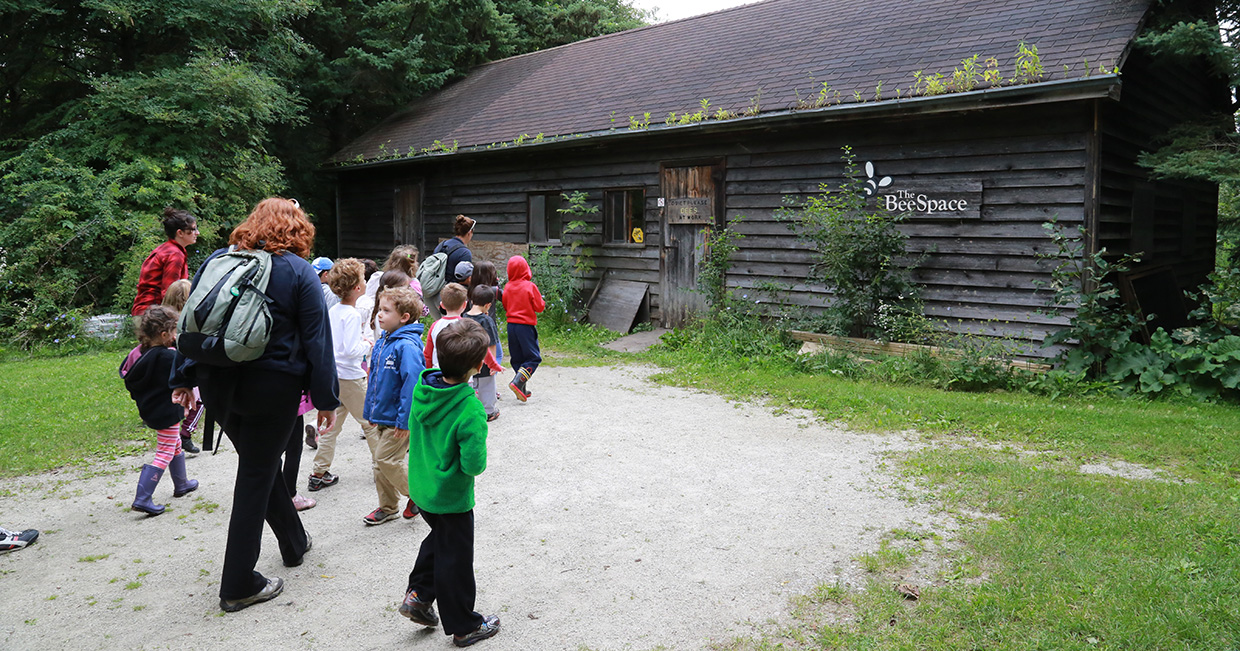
(856, 247)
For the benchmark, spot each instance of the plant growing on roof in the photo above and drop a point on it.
(856, 247)
(1028, 64)
(965, 77)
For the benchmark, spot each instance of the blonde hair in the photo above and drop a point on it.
(177, 294)
(345, 276)
(404, 258)
(390, 279)
(404, 300)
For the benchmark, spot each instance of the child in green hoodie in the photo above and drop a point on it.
(447, 449)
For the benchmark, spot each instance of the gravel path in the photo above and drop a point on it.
(615, 514)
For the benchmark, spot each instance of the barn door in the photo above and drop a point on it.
(407, 215)
(691, 203)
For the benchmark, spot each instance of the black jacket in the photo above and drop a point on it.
(147, 383)
(301, 338)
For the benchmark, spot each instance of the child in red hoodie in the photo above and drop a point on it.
(522, 303)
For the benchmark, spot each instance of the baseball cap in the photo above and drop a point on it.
(321, 264)
(464, 269)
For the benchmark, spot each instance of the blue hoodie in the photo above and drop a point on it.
(394, 369)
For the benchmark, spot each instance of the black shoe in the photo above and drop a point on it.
(312, 438)
(309, 544)
(418, 611)
(187, 444)
(319, 483)
(489, 627)
(275, 585)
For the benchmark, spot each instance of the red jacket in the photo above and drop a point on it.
(522, 300)
(164, 266)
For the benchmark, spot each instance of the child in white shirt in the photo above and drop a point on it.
(350, 344)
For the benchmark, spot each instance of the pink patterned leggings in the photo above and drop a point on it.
(168, 446)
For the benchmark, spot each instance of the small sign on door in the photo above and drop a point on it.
(690, 210)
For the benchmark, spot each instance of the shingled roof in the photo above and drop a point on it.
(784, 49)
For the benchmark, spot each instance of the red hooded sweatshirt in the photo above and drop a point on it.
(522, 300)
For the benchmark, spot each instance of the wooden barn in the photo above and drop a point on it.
(720, 118)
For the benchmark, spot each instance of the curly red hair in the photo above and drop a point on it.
(279, 225)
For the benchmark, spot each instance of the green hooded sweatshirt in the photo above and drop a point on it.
(447, 444)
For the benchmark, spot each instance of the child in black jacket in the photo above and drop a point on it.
(146, 378)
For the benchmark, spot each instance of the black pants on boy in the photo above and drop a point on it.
(444, 571)
(257, 410)
(523, 347)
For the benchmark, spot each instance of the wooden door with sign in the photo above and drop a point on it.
(691, 203)
(407, 216)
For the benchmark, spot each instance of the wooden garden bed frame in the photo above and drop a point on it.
(869, 347)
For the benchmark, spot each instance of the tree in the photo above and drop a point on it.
(150, 105)
(1207, 147)
(112, 109)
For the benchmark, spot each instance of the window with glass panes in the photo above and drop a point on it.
(624, 216)
(544, 218)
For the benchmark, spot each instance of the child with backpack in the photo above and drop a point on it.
(448, 448)
(522, 303)
(349, 345)
(146, 379)
(394, 369)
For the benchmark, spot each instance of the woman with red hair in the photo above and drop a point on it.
(256, 403)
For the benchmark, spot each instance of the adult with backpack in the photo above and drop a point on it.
(436, 271)
(253, 335)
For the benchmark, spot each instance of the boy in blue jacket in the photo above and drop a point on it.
(395, 366)
(448, 448)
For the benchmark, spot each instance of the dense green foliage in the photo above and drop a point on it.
(113, 110)
(857, 252)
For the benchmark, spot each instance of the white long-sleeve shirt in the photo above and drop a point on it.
(348, 344)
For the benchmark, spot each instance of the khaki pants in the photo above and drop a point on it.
(390, 456)
(352, 401)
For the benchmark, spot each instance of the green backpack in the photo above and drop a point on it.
(227, 318)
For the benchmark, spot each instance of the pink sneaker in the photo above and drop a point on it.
(303, 503)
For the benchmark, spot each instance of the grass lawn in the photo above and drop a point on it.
(57, 411)
(1056, 560)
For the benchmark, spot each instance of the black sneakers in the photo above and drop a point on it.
(274, 587)
(418, 611)
(318, 483)
(489, 627)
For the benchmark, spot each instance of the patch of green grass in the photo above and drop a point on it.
(64, 410)
(133, 585)
(888, 557)
(92, 559)
(201, 504)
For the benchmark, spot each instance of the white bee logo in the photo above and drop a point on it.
(872, 186)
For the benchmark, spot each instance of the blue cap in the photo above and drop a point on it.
(321, 264)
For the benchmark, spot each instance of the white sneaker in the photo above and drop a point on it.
(11, 541)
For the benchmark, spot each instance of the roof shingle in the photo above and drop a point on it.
(784, 49)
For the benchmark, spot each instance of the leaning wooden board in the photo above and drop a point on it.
(617, 303)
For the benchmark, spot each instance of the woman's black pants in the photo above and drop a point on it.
(257, 409)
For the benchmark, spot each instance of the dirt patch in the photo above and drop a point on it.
(615, 514)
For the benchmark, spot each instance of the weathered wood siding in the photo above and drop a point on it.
(1165, 221)
(979, 274)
